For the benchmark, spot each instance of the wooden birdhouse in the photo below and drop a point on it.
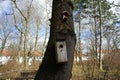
(61, 51)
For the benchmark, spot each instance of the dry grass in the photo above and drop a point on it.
(9, 70)
(12, 69)
(76, 73)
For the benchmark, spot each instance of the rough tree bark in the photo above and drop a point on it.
(49, 68)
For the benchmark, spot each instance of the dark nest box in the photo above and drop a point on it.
(61, 51)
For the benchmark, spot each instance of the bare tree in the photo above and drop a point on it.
(100, 24)
(36, 38)
(5, 32)
(60, 29)
(26, 27)
(48, 12)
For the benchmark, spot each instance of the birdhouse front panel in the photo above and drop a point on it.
(61, 51)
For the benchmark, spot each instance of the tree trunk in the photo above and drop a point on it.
(36, 38)
(45, 40)
(49, 68)
(4, 43)
(79, 39)
(26, 46)
(95, 29)
(3, 46)
(20, 45)
(100, 48)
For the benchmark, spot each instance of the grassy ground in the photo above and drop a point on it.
(88, 73)
(13, 69)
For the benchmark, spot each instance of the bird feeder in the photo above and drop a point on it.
(61, 51)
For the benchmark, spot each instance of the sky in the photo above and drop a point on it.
(5, 6)
(115, 2)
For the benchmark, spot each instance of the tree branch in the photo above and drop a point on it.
(14, 1)
(15, 20)
(28, 12)
(18, 29)
(115, 5)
